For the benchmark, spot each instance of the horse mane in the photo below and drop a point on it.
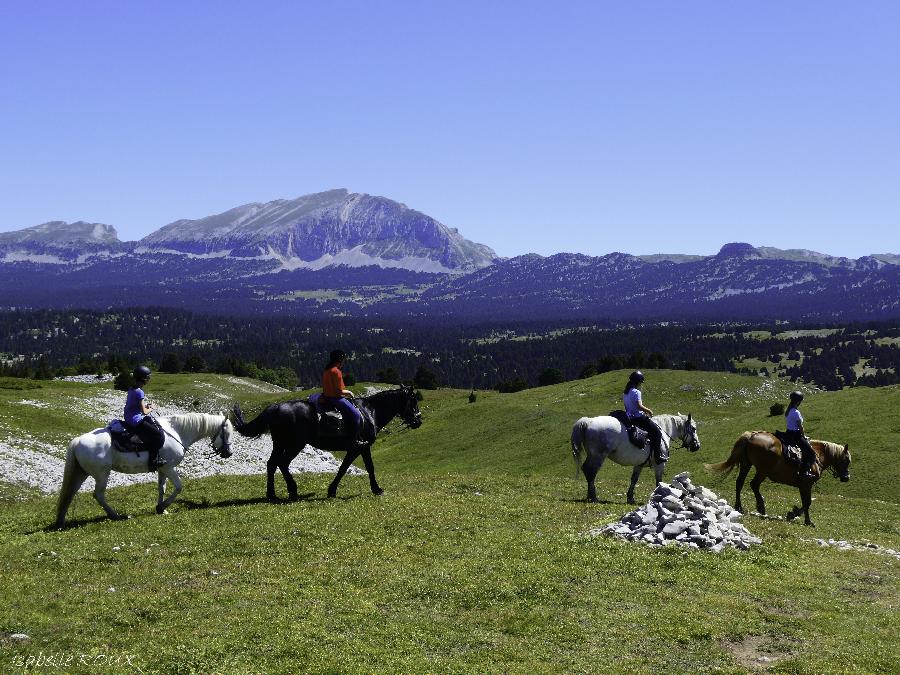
(384, 393)
(832, 450)
(200, 424)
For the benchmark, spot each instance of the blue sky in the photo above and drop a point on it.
(531, 126)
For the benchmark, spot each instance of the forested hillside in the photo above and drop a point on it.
(291, 351)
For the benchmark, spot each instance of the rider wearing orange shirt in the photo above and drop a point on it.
(335, 394)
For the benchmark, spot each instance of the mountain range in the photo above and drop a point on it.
(345, 253)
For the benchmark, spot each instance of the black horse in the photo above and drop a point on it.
(294, 424)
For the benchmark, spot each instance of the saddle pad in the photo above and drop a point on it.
(122, 438)
(791, 453)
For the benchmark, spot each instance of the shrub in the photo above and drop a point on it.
(550, 376)
(425, 378)
(512, 386)
(170, 363)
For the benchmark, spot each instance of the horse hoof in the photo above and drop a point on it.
(272, 499)
(377, 491)
(332, 494)
(810, 524)
(120, 516)
(294, 497)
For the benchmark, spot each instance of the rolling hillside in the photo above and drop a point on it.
(476, 559)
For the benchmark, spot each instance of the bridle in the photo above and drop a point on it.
(213, 451)
(409, 410)
(687, 435)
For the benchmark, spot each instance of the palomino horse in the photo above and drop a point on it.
(604, 436)
(293, 424)
(92, 454)
(762, 450)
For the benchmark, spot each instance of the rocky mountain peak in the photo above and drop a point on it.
(738, 250)
(61, 233)
(324, 229)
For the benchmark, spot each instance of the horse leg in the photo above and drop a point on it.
(271, 467)
(760, 500)
(161, 490)
(635, 474)
(590, 467)
(659, 470)
(348, 460)
(370, 467)
(806, 500)
(176, 489)
(739, 486)
(100, 495)
(285, 466)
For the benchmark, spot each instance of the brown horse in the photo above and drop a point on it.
(762, 450)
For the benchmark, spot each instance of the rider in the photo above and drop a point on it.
(137, 418)
(335, 394)
(795, 434)
(639, 414)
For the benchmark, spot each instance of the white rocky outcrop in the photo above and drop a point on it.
(692, 516)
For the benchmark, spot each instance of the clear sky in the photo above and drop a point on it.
(531, 126)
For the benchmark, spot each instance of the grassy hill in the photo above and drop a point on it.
(477, 557)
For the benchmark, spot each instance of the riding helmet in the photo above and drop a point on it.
(337, 355)
(141, 373)
(636, 376)
(797, 396)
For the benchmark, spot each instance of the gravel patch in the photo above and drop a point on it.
(680, 513)
(87, 379)
(865, 546)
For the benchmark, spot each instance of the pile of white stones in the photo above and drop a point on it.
(691, 516)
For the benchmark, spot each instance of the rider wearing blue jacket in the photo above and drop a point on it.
(639, 414)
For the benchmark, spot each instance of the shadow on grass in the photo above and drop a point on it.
(569, 500)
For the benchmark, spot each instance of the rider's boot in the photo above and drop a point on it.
(661, 453)
(154, 463)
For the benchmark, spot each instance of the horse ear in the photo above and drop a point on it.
(689, 418)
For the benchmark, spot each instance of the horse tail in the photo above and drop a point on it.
(73, 477)
(738, 452)
(255, 427)
(578, 443)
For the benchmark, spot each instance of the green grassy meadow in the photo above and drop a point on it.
(476, 559)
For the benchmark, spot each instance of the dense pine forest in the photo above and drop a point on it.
(509, 357)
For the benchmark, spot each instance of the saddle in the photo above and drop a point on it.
(123, 438)
(791, 453)
(331, 421)
(638, 437)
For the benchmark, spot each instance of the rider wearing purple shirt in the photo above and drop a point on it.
(639, 414)
(137, 418)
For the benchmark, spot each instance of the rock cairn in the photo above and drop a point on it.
(691, 516)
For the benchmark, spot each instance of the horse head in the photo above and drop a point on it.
(221, 442)
(841, 466)
(689, 437)
(410, 413)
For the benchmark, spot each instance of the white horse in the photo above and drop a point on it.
(92, 454)
(604, 436)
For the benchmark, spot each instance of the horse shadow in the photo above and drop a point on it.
(576, 500)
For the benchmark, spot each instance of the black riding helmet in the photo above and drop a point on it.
(637, 377)
(337, 355)
(797, 396)
(141, 373)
